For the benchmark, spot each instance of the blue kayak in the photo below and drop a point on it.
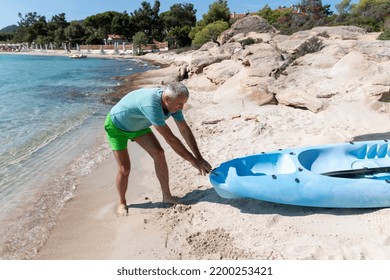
(346, 175)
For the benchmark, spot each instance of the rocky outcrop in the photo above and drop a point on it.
(250, 23)
(347, 63)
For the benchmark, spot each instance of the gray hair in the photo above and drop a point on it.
(173, 90)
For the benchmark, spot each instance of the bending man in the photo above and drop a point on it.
(132, 117)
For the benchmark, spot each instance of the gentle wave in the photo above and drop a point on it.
(50, 115)
(19, 153)
(24, 234)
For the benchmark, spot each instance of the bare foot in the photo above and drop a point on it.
(122, 210)
(170, 200)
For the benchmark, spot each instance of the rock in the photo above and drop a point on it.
(340, 32)
(260, 95)
(347, 67)
(201, 83)
(260, 58)
(290, 43)
(232, 91)
(251, 23)
(299, 98)
(209, 54)
(218, 73)
(260, 37)
(227, 49)
(200, 62)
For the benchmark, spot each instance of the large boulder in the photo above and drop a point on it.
(208, 54)
(250, 23)
(218, 73)
(260, 59)
(290, 43)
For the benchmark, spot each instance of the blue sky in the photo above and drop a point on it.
(80, 9)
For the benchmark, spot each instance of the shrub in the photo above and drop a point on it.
(210, 32)
(324, 34)
(385, 35)
(311, 45)
(249, 41)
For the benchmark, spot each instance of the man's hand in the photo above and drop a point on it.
(203, 166)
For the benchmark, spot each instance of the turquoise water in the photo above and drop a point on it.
(51, 135)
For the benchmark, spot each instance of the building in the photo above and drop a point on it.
(113, 39)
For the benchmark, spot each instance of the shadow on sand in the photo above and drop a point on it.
(252, 206)
(372, 136)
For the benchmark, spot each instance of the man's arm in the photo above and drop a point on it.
(198, 162)
(175, 143)
(188, 136)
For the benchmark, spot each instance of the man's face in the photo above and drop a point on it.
(176, 104)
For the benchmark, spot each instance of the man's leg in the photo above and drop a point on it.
(151, 145)
(122, 178)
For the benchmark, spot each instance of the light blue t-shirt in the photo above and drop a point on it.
(140, 109)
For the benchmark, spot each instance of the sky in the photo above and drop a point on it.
(80, 9)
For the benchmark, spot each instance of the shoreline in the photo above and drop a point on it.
(67, 174)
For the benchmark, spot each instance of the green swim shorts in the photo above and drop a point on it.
(118, 138)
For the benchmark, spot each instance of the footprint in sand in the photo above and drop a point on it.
(272, 221)
(216, 243)
(386, 242)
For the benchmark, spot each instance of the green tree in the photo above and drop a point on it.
(376, 9)
(140, 39)
(56, 28)
(100, 25)
(5, 37)
(368, 14)
(30, 27)
(366, 5)
(147, 20)
(75, 33)
(315, 10)
(210, 32)
(385, 35)
(178, 22)
(344, 7)
(122, 25)
(177, 36)
(281, 19)
(218, 11)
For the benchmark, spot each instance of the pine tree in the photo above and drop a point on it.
(313, 8)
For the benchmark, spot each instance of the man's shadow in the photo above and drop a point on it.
(253, 206)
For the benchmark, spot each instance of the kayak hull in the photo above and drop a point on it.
(296, 176)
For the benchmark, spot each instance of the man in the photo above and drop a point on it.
(132, 117)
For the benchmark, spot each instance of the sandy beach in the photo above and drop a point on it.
(207, 227)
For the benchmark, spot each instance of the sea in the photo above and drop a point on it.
(51, 136)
